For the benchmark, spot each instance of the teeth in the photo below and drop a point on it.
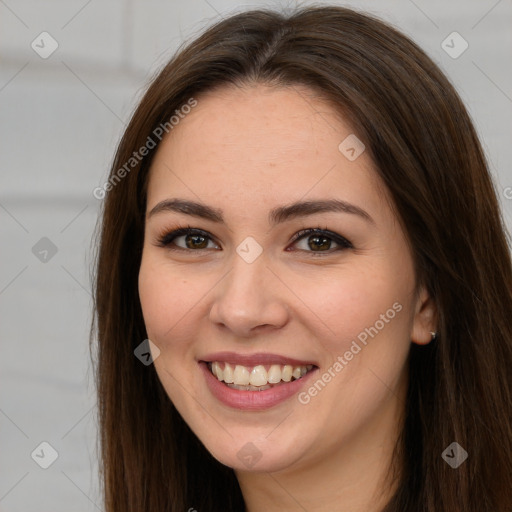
(228, 374)
(249, 388)
(274, 374)
(217, 371)
(257, 378)
(241, 377)
(287, 373)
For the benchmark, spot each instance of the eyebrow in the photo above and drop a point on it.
(276, 216)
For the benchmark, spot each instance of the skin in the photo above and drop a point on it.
(246, 151)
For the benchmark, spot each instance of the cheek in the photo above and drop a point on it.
(168, 302)
(348, 303)
(166, 299)
(368, 314)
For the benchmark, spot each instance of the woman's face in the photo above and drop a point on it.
(244, 294)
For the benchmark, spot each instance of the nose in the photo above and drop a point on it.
(249, 299)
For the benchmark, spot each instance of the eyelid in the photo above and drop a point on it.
(340, 240)
(166, 238)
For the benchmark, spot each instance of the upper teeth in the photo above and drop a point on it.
(257, 375)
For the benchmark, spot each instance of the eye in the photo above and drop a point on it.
(320, 241)
(192, 239)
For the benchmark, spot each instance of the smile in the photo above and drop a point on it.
(256, 378)
(255, 382)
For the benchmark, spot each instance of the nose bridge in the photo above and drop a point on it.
(246, 298)
(248, 268)
(245, 283)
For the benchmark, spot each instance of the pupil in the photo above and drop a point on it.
(325, 243)
(195, 238)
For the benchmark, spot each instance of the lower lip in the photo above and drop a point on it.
(252, 400)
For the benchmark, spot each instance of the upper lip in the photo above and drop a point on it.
(254, 359)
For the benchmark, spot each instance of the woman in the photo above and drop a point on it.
(238, 368)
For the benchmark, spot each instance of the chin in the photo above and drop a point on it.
(248, 453)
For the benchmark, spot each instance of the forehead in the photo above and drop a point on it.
(286, 121)
(258, 145)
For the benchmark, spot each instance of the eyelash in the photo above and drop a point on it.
(165, 239)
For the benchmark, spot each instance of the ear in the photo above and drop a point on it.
(425, 317)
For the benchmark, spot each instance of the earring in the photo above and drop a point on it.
(434, 335)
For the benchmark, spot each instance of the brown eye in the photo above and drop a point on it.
(186, 239)
(319, 240)
(314, 240)
(195, 241)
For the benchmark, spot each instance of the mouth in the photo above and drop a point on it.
(259, 377)
(255, 382)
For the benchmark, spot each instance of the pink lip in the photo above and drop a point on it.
(252, 400)
(253, 359)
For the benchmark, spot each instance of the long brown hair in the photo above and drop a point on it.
(427, 153)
